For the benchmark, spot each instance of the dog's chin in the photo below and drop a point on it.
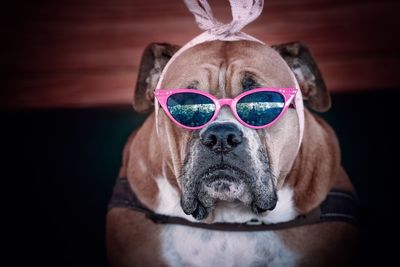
(220, 190)
(226, 188)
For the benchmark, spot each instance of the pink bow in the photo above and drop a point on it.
(243, 12)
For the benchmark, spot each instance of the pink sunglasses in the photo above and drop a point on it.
(193, 109)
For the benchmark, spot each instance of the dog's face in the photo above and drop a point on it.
(227, 161)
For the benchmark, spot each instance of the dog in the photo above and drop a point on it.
(274, 179)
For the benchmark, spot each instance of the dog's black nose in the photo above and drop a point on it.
(222, 137)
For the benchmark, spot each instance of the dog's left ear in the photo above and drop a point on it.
(154, 59)
(304, 67)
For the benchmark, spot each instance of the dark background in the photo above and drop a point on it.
(68, 70)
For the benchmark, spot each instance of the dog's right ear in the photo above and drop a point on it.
(154, 59)
(312, 85)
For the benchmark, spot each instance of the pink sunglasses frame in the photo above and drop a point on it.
(162, 96)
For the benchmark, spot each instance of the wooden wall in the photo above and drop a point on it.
(86, 53)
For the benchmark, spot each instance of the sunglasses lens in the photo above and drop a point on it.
(260, 108)
(191, 109)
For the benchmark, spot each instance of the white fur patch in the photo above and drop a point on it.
(284, 210)
(188, 246)
(169, 200)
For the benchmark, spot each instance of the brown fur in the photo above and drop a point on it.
(327, 244)
(142, 170)
(316, 166)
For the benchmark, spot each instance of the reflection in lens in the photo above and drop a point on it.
(260, 108)
(191, 109)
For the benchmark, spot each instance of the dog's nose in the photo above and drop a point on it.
(222, 137)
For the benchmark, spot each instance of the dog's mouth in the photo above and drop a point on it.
(224, 183)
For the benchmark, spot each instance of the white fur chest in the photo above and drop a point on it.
(187, 246)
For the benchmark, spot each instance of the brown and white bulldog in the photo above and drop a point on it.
(169, 168)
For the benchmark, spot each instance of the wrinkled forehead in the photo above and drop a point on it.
(226, 68)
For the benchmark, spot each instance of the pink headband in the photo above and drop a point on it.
(243, 12)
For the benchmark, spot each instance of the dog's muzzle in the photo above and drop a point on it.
(222, 169)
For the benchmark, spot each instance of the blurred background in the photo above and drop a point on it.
(68, 70)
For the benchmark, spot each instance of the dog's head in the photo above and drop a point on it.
(227, 161)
